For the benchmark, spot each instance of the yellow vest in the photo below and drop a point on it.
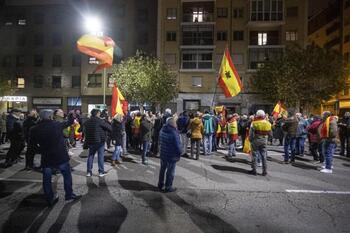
(261, 127)
(137, 122)
(232, 128)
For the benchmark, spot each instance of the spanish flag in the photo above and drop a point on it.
(229, 80)
(98, 47)
(118, 102)
(279, 109)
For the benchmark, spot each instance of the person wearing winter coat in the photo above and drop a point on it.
(232, 130)
(32, 120)
(117, 138)
(221, 132)
(196, 128)
(146, 129)
(344, 134)
(301, 135)
(208, 131)
(315, 148)
(278, 131)
(182, 125)
(290, 128)
(243, 127)
(170, 153)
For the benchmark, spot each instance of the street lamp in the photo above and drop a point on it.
(94, 26)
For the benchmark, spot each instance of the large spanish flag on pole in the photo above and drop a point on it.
(118, 102)
(100, 47)
(279, 109)
(229, 80)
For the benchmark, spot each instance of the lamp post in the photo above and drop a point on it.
(94, 26)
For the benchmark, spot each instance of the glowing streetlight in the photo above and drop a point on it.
(93, 25)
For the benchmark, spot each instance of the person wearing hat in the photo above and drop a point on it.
(260, 129)
(14, 129)
(170, 153)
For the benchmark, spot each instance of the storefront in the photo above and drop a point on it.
(14, 102)
(47, 103)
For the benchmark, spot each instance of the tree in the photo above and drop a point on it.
(144, 79)
(302, 77)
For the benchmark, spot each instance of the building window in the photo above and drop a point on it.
(56, 82)
(238, 13)
(237, 59)
(38, 18)
(38, 81)
(94, 80)
(171, 36)
(76, 60)
(238, 35)
(171, 13)
(291, 36)
(222, 12)
(292, 11)
(38, 40)
(38, 60)
(56, 60)
(19, 60)
(192, 105)
(258, 56)
(22, 22)
(262, 38)
(21, 83)
(76, 81)
(142, 15)
(170, 59)
(142, 38)
(74, 101)
(196, 81)
(8, 20)
(56, 39)
(221, 36)
(266, 10)
(198, 35)
(6, 61)
(21, 40)
(197, 59)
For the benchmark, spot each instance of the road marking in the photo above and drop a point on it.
(20, 180)
(317, 191)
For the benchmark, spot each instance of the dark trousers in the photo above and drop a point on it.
(168, 168)
(30, 153)
(67, 180)
(197, 143)
(16, 147)
(3, 137)
(155, 145)
(344, 145)
(289, 148)
(316, 150)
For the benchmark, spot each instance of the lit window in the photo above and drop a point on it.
(22, 22)
(198, 15)
(291, 36)
(20, 82)
(171, 13)
(197, 81)
(262, 38)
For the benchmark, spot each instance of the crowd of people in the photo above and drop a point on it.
(167, 136)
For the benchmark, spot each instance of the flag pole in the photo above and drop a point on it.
(104, 87)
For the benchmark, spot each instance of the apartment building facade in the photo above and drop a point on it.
(38, 49)
(192, 36)
(330, 29)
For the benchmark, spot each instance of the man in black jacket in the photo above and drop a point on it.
(32, 120)
(47, 135)
(95, 137)
(14, 129)
(344, 134)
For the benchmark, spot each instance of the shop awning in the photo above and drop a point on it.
(344, 104)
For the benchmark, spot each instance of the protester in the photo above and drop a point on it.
(208, 131)
(31, 120)
(232, 129)
(170, 153)
(155, 137)
(136, 124)
(146, 137)
(2, 128)
(301, 134)
(278, 131)
(243, 127)
(95, 138)
(14, 129)
(314, 139)
(48, 136)
(290, 127)
(58, 115)
(328, 132)
(117, 138)
(196, 129)
(260, 129)
(182, 125)
(221, 132)
(344, 134)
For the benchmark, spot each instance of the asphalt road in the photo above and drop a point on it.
(214, 195)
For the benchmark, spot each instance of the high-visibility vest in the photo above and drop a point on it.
(137, 122)
(221, 128)
(261, 127)
(325, 127)
(232, 128)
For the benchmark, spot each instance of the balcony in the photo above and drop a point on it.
(198, 35)
(198, 12)
(258, 56)
(266, 13)
(264, 38)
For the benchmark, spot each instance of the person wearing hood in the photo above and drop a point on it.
(301, 134)
(146, 129)
(232, 129)
(32, 120)
(328, 132)
(117, 136)
(14, 129)
(344, 134)
(316, 150)
(196, 128)
(182, 125)
(170, 153)
(208, 131)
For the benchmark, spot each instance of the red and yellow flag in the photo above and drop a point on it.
(279, 109)
(118, 102)
(100, 47)
(229, 80)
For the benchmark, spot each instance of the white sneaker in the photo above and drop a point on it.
(70, 153)
(329, 171)
(324, 166)
(88, 174)
(260, 164)
(102, 174)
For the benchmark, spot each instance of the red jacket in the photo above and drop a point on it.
(312, 130)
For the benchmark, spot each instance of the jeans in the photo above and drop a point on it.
(145, 147)
(259, 153)
(169, 168)
(314, 148)
(197, 142)
(184, 143)
(289, 145)
(328, 151)
(100, 149)
(208, 144)
(232, 148)
(214, 142)
(300, 145)
(117, 152)
(67, 179)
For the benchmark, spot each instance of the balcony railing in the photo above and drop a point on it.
(258, 56)
(198, 35)
(198, 17)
